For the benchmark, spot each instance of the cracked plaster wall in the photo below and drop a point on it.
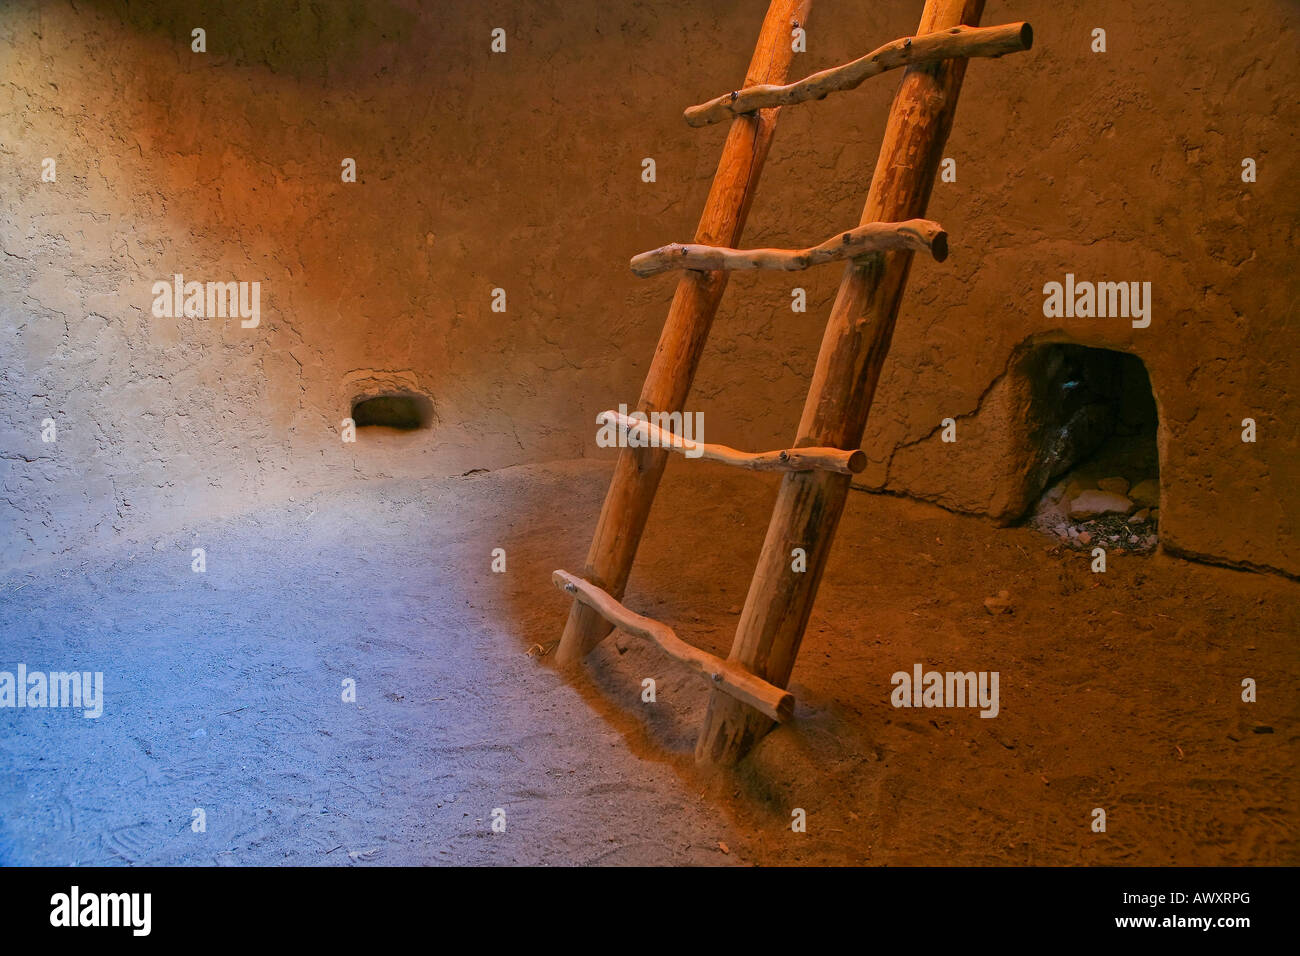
(523, 171)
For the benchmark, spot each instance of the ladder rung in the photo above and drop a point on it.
(916, 234)
(724, 675)
(906, 51)
(789, 459)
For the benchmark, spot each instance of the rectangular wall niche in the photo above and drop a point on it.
(404, 411)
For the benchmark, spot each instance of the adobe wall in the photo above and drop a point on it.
(522, 171)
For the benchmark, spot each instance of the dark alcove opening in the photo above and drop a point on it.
(405, 411)
(1095, 422)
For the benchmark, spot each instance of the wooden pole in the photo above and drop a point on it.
(638, 470)
(788, 459)
(925, 48)
(858, 332)
(726, 677)
(917, 235)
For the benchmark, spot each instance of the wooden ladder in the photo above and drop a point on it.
(748, 687)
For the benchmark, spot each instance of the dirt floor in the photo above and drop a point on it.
(1119, 690)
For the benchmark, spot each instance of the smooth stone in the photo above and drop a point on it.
(1090, 504)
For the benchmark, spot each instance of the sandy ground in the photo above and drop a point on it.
(223, 691)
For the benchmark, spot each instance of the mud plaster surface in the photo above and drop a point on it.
(522, 171)
(1118, 691)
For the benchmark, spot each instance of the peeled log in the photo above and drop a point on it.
(789, 459)
(726, 677)
(858, 332)
(919, 235)
(681, 344)
(962, 41)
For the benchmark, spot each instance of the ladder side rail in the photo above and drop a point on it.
(681, 344)
(857, 338)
